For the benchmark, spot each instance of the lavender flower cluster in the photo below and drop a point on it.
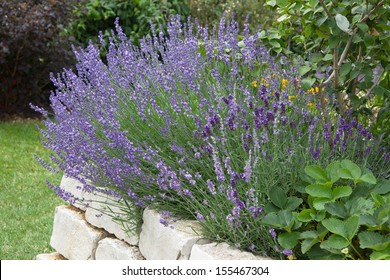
(178, 124)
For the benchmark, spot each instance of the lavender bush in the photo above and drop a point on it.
(198, 124)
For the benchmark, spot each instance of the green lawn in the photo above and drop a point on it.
(26, 203)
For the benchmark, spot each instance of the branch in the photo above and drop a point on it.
(325, 8)
(347, 46)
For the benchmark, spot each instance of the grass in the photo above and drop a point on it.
(26, 203)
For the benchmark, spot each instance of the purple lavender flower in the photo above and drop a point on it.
(287, 252)
(211, 187)
(272, 232)
(230, 219)
(200, 217)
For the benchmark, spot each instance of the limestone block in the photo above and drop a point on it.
(97, 213)
(50, 257)
(75, 187)
(101, 211)
(72, 236)
(172, 242)
(221, 251)
(114, 249)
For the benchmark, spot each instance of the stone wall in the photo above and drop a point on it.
(83, 233)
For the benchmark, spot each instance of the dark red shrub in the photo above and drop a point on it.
(31, 48)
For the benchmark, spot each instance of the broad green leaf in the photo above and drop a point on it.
(341, 191)
(336, 209)
(293, 203)
(368, 178)
(278, 197)
(305, 215)
(308, 234)
(316, 253)
(382, 187)
(351, 227)
(345, 69)
(282, 3)
(362, 26)
(359, 206)
(317, 173)
(303, 70)
(342, 22)
(288, 240)
(333, 171)
(307, 83)
(335, 242)
(317, 190)
(353, 168)
(373, 240)
(381, 255)
(282, 220)
(319, 203)
(335, 226)
(328, 57)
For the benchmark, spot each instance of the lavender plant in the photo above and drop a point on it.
(198, 124)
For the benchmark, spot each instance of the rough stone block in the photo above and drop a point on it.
(50, 257)
(75, 187)
(97, 213)
(101, 211)
(172, 242)
(72, 236)
(114, 249)
(221, 251)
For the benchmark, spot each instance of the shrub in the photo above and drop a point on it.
(210, 11)
(29, 50)
(198, 125)
(94, 16)
(344, 44)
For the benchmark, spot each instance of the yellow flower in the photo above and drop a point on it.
(264, 82)
(284, 83)
(254, 83)
(290, 97)
(311, 104)
(317, 90)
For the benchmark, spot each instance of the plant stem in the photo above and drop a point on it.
(357, 252)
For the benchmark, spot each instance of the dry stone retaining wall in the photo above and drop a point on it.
(83, 233)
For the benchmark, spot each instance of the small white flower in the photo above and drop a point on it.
(345, 251)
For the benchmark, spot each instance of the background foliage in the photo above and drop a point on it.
(342, 44)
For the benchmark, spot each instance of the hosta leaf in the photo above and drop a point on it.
(342, 22)
(320, 191)
(341, 191)
(288, 240)
(335, 242)
(373, 240)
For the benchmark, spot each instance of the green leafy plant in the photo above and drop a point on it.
(343, 45)
(343, 214)
(94, 16)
